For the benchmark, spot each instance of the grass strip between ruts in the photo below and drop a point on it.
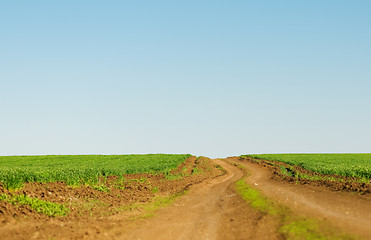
(291, 226)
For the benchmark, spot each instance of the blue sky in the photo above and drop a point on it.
(214, 78)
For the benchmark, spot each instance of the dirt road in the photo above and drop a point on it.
(347, 211)
(212, 210)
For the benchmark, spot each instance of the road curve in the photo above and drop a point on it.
(347, 211)
(211, 210)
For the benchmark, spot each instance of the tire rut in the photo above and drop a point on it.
(211, 210)
(349, 212)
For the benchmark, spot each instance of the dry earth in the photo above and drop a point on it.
(210, 210)
(345, 211)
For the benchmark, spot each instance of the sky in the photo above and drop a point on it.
(211, 78)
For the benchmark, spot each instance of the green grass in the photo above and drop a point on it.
(352, 165)
(304, 229)
(101, 188)
(254, 198)
(81, 169)
(48, 208)
(160, 202)
(176, 176)
(148, 209)
(291, 226)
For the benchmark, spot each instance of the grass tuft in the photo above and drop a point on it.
(41, 206)
(149, 209)
(291, 226)
(254, 198)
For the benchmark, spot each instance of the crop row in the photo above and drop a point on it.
(81, 169)
(353, 165)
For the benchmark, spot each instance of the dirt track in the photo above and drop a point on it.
(212, 210)
(344, 210)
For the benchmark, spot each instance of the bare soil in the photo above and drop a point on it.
(96, 214)
(345, 211)
(210, 210)
(333, 181)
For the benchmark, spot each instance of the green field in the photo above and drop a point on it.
(349, 164)
(81, 169)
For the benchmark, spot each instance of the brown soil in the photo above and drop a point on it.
(345, 211)
(95, 212)
(210, 210)
(333, 182)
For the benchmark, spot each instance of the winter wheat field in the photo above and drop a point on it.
(167, 196)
